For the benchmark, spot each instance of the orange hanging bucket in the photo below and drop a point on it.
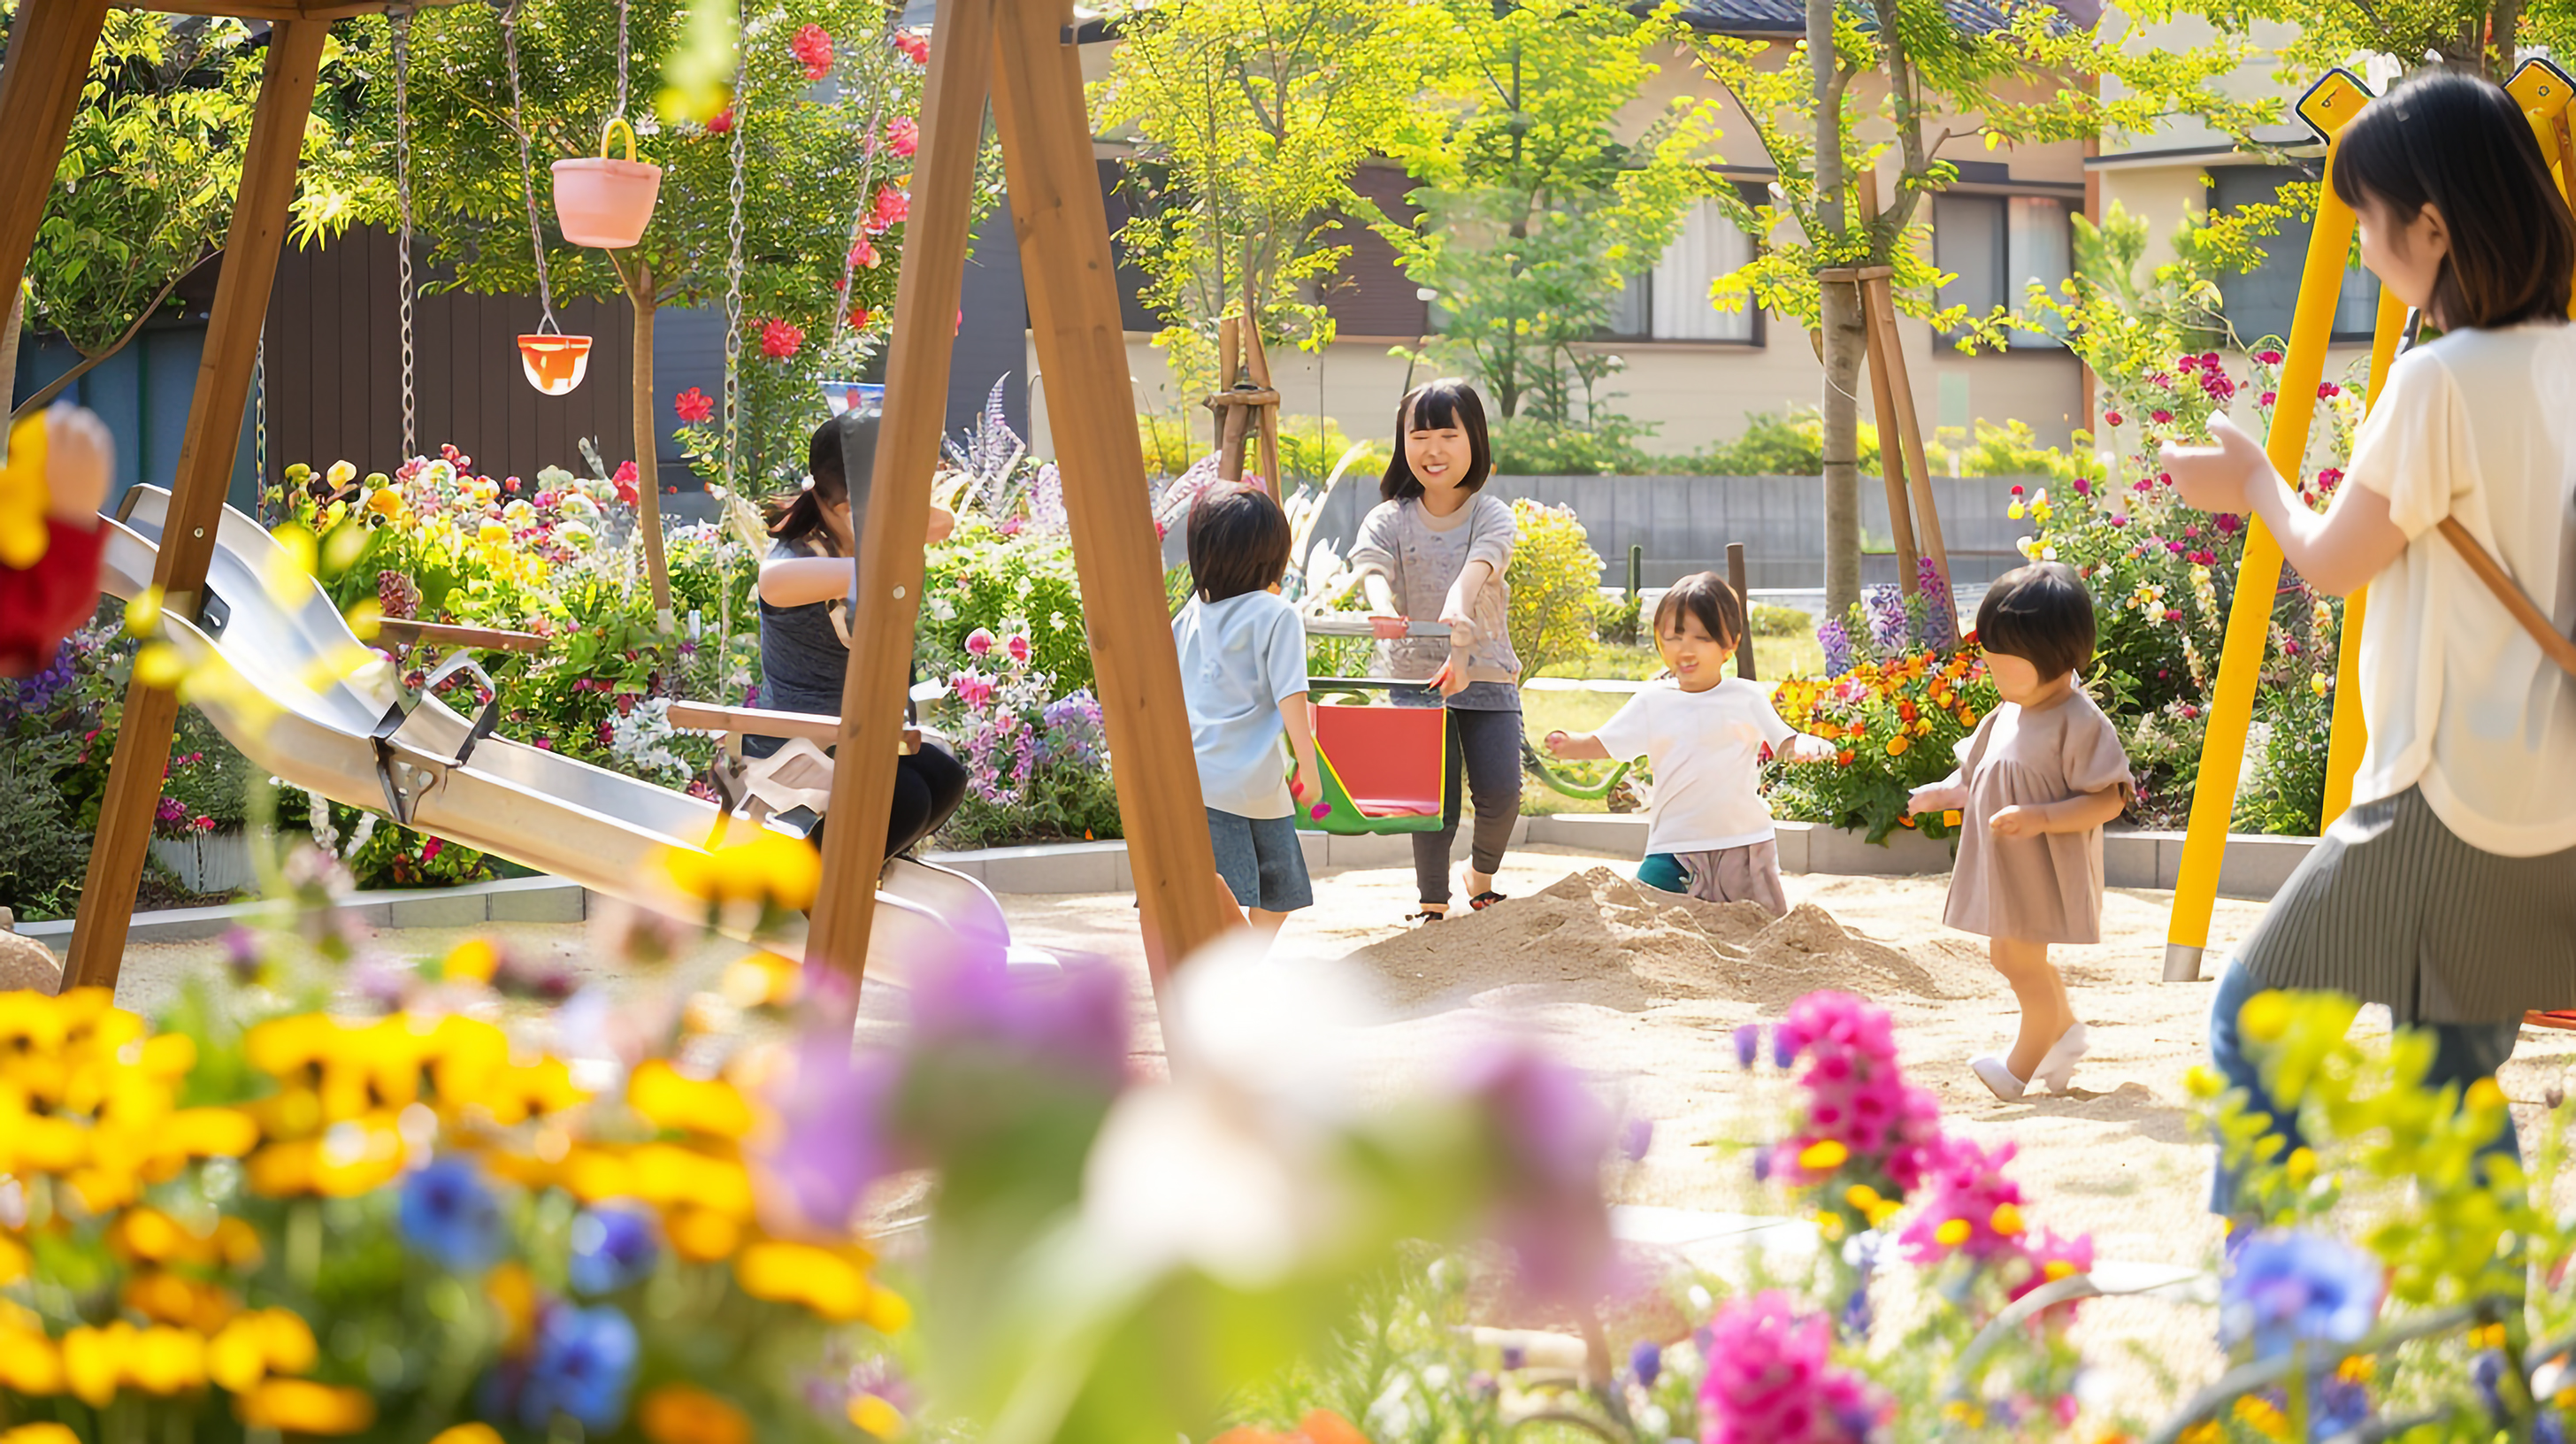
(601, 201)
(554, 363)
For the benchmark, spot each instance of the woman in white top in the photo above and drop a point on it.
(2448, 891)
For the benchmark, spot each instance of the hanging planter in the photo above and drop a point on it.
(867, 397)
(601, 201)
(554, 363)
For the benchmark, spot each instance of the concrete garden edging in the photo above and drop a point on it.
(2254, 867)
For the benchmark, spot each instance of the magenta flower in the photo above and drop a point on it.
(1857, 1096)
(2327, 391)
(979, 642)
(2161, 418)
(2268, 357)
(1770, 1379)
(1967, 1187)
(2268, 398)
(2227, 522)
(1018, 647)
(1550, 1137)
(2111, 418)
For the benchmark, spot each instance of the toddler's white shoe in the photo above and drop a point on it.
(2057, 1070)
(1997, 1076)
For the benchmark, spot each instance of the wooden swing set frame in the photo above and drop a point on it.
(1018, 56)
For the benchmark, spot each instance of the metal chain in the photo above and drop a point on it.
(401, 20)
(621, 61)
(733, 262)
(259, 415)
(527, 168)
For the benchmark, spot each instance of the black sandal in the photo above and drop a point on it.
(1484, 900)
(1426, 916)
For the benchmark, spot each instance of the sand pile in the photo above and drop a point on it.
(1597, 937)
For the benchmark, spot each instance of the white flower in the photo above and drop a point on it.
(553, 478)
(575, 535)
(578, 506)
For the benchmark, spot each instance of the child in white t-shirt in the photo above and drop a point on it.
(1708, 832)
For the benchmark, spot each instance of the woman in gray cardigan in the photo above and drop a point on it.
(1436, 546)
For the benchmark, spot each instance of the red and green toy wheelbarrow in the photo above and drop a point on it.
(1385, 766)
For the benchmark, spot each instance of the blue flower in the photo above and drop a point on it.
(2290, 1286)
(1748, 1045)
(583, 1366)
(448, 1215)
(611, 1248)
(1784, 1048)
(1646, 1361)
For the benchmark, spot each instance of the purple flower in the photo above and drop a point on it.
(242, 953)
(1784, 1048)
(2287, 1286)
(1748, 1044)
(448, 1216)
(1551, 1135)
(1646, 1361)
(829, 1144)
(1838, 648)
(1513, 1357)
(583, 1366)
(1635, 1137)
(612, 1248)
(1887, 620)
(1940, 612)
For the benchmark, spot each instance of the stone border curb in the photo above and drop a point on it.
(2254, 868)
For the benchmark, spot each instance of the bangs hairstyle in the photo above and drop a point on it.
(797, 515)
(2459, 144)
(1707, 596)
(1437, 406)
(1238, 543)
(2042, 614)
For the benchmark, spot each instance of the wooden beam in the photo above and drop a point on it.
(1878, 309)
(1082, 352)
(206, 452)
(898, 503)
(404, 630)
(275, 10)
(40, 86)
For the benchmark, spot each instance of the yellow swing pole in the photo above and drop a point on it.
(2328, 107)
(2344, 743)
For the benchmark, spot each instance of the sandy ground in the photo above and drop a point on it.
(2116, 1158)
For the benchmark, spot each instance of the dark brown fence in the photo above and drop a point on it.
(335, 369)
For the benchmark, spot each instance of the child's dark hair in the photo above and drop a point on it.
(1239, 542)
(1444, 403)
(1707, 596)
(799, 515)
(2460, 145)
(2040, 613)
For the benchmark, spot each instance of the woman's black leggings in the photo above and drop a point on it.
(1489, 744)
(928, 785)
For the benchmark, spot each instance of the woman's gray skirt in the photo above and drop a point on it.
(2392, 907)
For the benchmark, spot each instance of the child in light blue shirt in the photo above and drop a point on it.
(1243, 677)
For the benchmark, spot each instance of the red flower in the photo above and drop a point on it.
(2329, 478)
(891, 207)
(812, 48)
(723, 123)
(693, 406)
(624, 481)
(2327, 391)
(903, 137)
(858, 318)
(2160, 418)
(780, 339)
(914, 45)
(2268, 358)
(2268, 398)
(863, 256)
(2111, 418)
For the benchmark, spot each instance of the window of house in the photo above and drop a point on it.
(2262, 301)
(1995, 248)
(1670, 302)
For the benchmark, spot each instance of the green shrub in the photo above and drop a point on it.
(1525, 447)
(1555, 576)
(1767, 620)
(981, 578)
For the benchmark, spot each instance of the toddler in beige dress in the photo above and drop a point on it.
(2036, 781)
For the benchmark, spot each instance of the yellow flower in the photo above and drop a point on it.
(680, 1414)
(299, 1406)
(2203, 1081)
(2204, 1432)
(771, 867)
(2265, 1016)
(492, 534)
(1829, 1227)
(2484, 1094)
(24, 496)
(2359, 1368)
(2261, 1416)
(40, 1434)
(668, 1099)
(176, 1299)
(876, 1416)
(30, 1363)
(1861, 1197)
(702, 1235)
(1952, 1232)
(1897, 744)
(2057, 1268)
(472, 960)
(385, 501)
(2317, 683)
(477, 1433)
(2014, 511)
(1823, 1156)
(514, 1293)
(2006, 1220)
(2301, 1164)
(829, 1282)
(1960, 1411)
(165, 1361)
(14, 1260)
(340, 474)
(762, 980)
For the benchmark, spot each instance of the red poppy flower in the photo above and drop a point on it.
(914, 45)
(903, 137)
(863, 256)
(891, 207)
(780, 339)
(693, 406)
(723, 123)
(812, 48)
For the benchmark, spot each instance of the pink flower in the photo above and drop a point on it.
(903, 137)
(1018, 647)
(891, 207)
(2190, 529)
(2173, 614)
(2175, 547)
(2118, 520)
(780, 339)
(914, 45)
(2161, 418)
(812, 48)
(625, 482)
(2268, 398)
(2329, 478)
(723, 123)
(2110, 418)
(979, 642)
(2083, 487)
(863, 256)
(2268, 357)
(2215, 385)
(2227, 523)
(1856, 1095)
(2327, 391)
(693, 406)
(1771, 1380)
(430, 847)
(1966, 1183)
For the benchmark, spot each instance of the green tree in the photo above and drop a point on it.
(1250, 118)
(827, 136)
(2477, 35)
(1533, 212)
(1935, 80)
(144, 191)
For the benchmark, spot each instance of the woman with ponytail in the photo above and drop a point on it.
(806, 584)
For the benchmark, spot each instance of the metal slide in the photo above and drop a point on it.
(359, 739)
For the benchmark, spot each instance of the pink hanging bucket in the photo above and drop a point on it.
(600, 201)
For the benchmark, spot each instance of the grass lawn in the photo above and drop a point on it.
(1773, 657)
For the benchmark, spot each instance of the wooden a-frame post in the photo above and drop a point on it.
(1019, 54)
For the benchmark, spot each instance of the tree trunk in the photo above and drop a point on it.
(9, 357)
(648, 475)
(1844, 341)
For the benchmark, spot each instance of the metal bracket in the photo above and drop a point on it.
(397, 803)
(213, 615)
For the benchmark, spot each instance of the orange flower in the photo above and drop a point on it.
(680, 1414)
(300, 1406)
